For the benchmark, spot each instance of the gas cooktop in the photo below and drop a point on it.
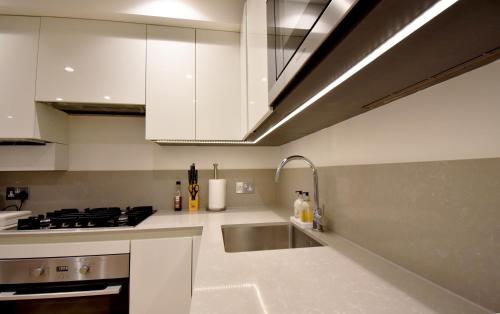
(104, 217)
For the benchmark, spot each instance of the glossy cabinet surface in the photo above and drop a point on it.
(196, 251)
(160, 275)
(258, 105)
(218, 88)
(18, 58)
(89, 61)
(170, 83)
(243, 74)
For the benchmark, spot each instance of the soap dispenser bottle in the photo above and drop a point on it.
(297, 205)
(306, 210)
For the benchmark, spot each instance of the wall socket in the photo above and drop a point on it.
(245, 187)
(16, 193)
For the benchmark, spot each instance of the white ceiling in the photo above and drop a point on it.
(210, 14)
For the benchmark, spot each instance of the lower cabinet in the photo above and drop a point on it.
(196, 250)
(160, 275)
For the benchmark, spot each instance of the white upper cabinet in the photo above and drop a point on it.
(243, 74)
(258, 106)
(18, 53)
(218, 87)
(170, 83)
(20, 117)
(88, 61)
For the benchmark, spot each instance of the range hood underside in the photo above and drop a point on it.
(102, 109)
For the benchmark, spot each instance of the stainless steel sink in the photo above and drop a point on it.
(242, 238)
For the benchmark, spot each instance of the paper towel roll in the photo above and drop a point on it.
(216, 194)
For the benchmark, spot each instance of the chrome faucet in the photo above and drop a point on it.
(318, 213)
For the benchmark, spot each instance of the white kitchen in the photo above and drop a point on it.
(249, 156)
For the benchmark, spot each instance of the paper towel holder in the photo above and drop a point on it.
(215, 170)
(216, 184)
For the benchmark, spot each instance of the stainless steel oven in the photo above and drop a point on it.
(69, 285)
(296, 28)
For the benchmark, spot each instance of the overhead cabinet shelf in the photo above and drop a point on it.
(170, 83)
(193, 84)
(207, 87)
(21, 118)
(88, 61)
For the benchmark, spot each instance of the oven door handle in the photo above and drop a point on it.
(12, 296)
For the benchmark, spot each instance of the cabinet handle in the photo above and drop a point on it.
(12, 296)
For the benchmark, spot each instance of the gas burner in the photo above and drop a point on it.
(102, 217)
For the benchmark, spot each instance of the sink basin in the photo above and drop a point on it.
(242, 238)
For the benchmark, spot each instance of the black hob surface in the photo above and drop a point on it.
(104, 217)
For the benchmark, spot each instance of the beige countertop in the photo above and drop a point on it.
(340, 277)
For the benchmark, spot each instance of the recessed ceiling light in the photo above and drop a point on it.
(69, 69)
(189, 76)
(432, 12)
(59, 99)
(10, 117)
(107, 97)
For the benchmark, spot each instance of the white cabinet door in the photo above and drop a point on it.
(160, 275)
(18, 56)
(196, 252)
(243, 74)
(218, 99)
(88, 61)
(170, 83)
(258, 106)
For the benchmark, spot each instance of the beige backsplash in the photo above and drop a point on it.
(52, 190)
(440, 219)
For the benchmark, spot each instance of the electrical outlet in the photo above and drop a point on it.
(245, 187)
(16, 193)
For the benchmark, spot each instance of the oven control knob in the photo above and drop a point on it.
(84, 269)
(37, 272)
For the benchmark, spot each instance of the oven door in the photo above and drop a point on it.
(90, 297)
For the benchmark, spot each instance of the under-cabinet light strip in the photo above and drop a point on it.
(438, 8)
(220, 142)
(420, 21)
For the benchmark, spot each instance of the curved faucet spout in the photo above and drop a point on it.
(318, 214)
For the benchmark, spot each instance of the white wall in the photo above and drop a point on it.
(117, 143)
(457, 119)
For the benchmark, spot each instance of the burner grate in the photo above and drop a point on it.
(88, 218)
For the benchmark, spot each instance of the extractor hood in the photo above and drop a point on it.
(99, 108)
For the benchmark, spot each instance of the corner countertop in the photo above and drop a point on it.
(340, 277)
